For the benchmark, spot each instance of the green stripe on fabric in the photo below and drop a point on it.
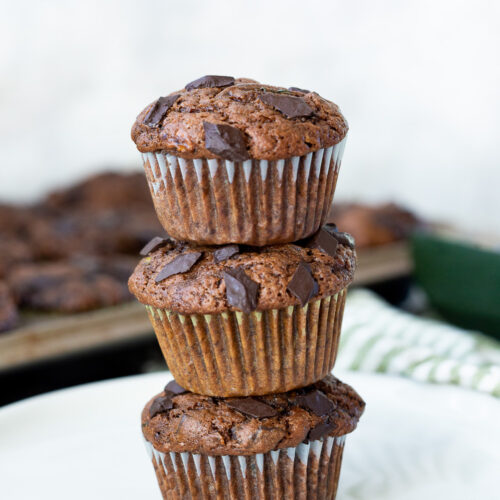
(388, 357)
(358, 360)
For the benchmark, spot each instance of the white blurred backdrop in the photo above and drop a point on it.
(418, 82)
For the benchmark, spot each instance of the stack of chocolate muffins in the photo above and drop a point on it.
(246, 294)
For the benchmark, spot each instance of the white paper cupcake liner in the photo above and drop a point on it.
(308, 471)
(255, 202)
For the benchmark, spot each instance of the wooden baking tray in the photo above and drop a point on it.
(45, 336)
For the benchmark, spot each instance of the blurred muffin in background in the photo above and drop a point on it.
(74, 250)
(13, 251)
(374, 225)
(108, 190)
(65, 287)
(8, 309)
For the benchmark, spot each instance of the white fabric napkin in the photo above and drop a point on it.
(380, 338)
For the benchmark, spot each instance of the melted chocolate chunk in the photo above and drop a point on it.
(152, 245)
(224, 253)
(296, 89)
(210, 81)
(290, 106)
(159, 110)
(181, 264)
(225, 141)
(241, 291)
(302, 284)
(174, 388)
(343, 238)
(324, 241)
(252, 407)
(160, 405)
(319, 431)
(317, 402)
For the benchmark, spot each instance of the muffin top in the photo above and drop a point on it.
(177, 420)
(238, 119)
(208, 280)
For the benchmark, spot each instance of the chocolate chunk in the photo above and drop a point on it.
(324, 241)
(225, 141)
(343, 238)
(152, 245)
(290, 106)
(320, 430)
(317, 402)
(225, 253)
(160, 405)
(210, 81)
(296, 89)
(302, 284)
(252, 407)
(241, 291)
(159, 110)
(181, 264)
(173, 388)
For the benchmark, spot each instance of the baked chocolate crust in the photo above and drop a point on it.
(202, 289)
(218, 426)
(270, 134)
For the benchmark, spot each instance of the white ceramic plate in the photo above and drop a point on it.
(414, 442)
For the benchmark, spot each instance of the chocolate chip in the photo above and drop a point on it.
(317, 402)
(181, 264)
(225, 141)
(290, 106)
(320, 430)
(225, 253)
(241, 291)
(174, 388)
(210, 81)
(343, 238)
(296, 89)
(252, 407)
(152, 245)
(324, 241)
(302, 284)
(160, 405)
(159, 110)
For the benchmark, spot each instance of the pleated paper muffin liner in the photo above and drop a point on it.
(238, 354)
(307, 472)
(254, 202)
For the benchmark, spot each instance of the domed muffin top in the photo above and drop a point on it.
(238, 119)
(180, 421)
(208, 280)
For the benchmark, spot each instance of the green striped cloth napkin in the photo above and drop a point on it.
(379, 338)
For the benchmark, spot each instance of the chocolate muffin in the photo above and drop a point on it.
(239, 321)
(13, 251)
(235, 161)
(65, 287)
(62, 235)
(8, 311)
(375, 225)
(286, 445)
(102, 192)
